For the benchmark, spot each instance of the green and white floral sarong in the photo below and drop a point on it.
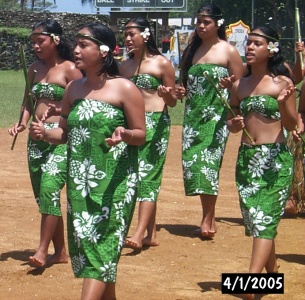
(205, 131)
(48, 169)
(152, 155)
(101, 188)
(264, 178)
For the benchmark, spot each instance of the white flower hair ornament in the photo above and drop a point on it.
(220, 22)
(55, 38)
(145, 34)
(273, 47)
(104, 48)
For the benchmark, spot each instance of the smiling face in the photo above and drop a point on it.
(256, 48)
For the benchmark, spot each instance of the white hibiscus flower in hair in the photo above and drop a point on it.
(273, 47)
(145, 34)
(104, 48)
(220, 22)
(55, 38)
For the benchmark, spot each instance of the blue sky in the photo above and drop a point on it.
(75, 6)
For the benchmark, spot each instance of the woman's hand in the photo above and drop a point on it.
(51, 111)
(286, 93)
(164, 90)
(37, 130)
(227, 82)
(117, 136)
(15, 129)
(180, 92)
(236, 124)
(299, 47)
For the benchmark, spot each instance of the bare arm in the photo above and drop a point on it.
(287, 106)
(297, 71)
(235, 124)
(167, 90)
(235, 63)
(56, 135)
(133, 107)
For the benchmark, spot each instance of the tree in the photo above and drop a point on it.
(35, 5)
(9, 5)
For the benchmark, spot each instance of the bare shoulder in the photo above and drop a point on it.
(229, 48)
(283, 80)
(69, 65)
(163, 60)
(123, 83)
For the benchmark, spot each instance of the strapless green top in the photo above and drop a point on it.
(263, 105)
(47, 90)
(146, 81)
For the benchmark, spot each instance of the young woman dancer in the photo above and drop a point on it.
(204, 127)
(154, 75)
(47, 162)
(265, 104)
(103, 120)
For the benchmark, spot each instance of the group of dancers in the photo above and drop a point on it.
(103, 130)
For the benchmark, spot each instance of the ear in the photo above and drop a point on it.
(103, 54)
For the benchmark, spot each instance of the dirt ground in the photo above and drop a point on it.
(183, 267)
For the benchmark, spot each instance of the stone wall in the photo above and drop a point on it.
(9, 44)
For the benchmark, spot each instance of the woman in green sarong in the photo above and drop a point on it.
(154, 75)
(205, 131)
(265, 104)
(47, 162)
(103, 121)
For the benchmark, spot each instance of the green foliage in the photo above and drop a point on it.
(12, 88)
(9, 5)
(19, 31)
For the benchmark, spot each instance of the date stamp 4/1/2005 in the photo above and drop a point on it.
(253, 283)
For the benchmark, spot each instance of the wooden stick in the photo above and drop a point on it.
(179, 57)
(298, 34)
(23, 105)
(25, 100)
(29, 96)
(225, 102)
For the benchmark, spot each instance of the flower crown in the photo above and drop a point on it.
(103, 48)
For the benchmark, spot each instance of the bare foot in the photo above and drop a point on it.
(208, 230)
(37, 261)
(57, 259)
(205, 234)
(150, 242)
(132, 244)
(249, 296)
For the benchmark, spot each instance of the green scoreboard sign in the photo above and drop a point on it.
(141, 3)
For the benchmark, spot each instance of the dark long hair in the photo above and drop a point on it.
(276, 63)
(64, 48)
(106, 36)
(215, 13)
(151, 45)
